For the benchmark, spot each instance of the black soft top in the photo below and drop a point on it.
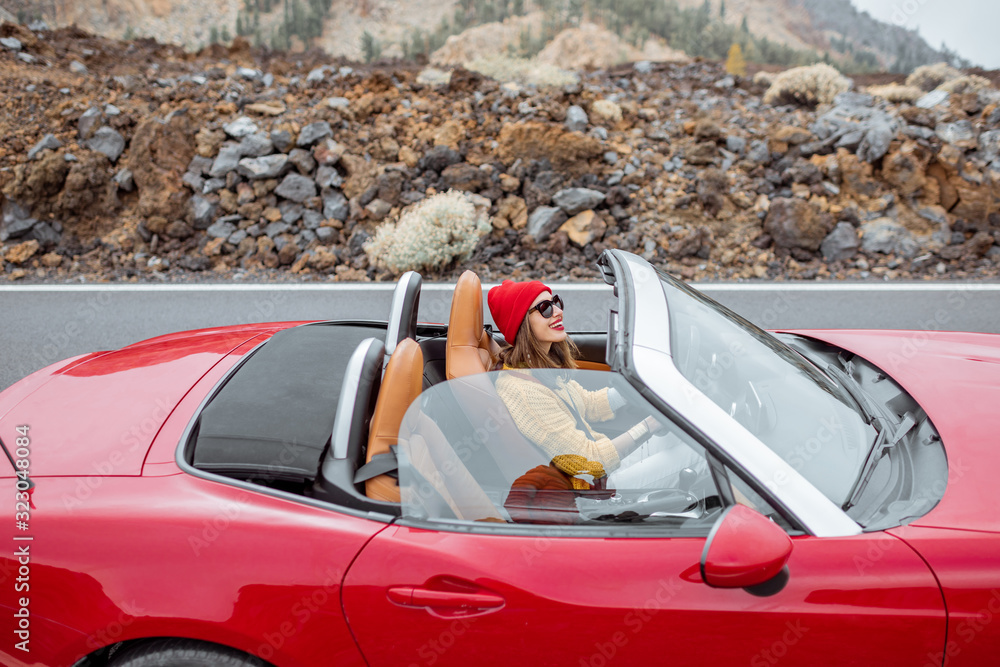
(273, 417)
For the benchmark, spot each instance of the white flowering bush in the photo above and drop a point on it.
(929, 77)
(808, 86)
(431, 233)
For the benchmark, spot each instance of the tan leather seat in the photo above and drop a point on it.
(470, 349)
(401, 385)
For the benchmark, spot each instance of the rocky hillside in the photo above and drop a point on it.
(138, 161)
(770, 31)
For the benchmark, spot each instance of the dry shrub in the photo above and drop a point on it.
(807, 86)
(969, 83)
(431, 233)
(929, 77)
(896, 93)
(522, 70)
(763, 78)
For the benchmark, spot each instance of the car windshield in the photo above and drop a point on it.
(774, 392)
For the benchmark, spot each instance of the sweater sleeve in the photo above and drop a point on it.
(545, 420)
(596, 405)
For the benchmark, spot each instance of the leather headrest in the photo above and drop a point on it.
(465, 329)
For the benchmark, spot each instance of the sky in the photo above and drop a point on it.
(969, 27)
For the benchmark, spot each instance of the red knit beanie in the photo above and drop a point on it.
(509, 303)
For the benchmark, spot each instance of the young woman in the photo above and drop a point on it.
(558, 417)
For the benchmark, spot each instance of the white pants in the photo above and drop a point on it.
(656, 464)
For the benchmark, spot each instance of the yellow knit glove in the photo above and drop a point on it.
(574, 464)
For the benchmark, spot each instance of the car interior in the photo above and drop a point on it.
(264, 424)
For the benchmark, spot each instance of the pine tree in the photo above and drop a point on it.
(370, 49)
(722, 9)
(735, 64)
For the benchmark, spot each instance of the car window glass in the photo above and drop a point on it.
(777, 395)
(546, 447)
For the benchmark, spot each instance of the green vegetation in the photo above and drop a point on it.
(302, 19)
(371, 50)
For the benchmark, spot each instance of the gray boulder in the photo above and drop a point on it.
(241, 127)
(956, 132)
(296, 187)
(439, 157)
(88, 123)
(259, 168)
(335, 205)
(15, 221)
(989, 145)
(124, 180)
(328, 177)
(255, 145)
(226, 160)
(888, 237)
(44, 233)
(201, 210)
(545, 220)
(312, 133)
(108, 141)
(841, 243)
(221, 229)
(576, 119)
(576, 200)
(46, 143)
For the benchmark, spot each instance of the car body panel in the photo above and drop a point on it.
(186, 557)
(955, 377)
(572, 600)
(965, 564)
(110, 406)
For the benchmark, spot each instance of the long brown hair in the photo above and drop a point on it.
(527, 351)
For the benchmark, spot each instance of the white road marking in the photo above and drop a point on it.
(441, 287)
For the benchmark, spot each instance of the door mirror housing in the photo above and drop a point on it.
(744, 549)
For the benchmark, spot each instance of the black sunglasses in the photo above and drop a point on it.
(544, 308)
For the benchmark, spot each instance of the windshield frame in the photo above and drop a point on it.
(642, 352)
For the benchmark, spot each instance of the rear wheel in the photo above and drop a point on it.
(183, 653)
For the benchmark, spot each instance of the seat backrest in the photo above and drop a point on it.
(470, 348)
(401, 385)
(403, 311)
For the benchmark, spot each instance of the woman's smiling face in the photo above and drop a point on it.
(546, 330)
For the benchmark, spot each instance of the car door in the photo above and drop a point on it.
(468, 576)
(418, 596)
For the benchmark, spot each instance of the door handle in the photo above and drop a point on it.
(446, 601)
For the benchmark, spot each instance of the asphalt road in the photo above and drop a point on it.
(42, 324)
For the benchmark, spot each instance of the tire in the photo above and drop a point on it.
(183, 653)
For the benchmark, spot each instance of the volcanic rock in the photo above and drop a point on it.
(794, 223)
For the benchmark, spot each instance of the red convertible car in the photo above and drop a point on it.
(357, 493)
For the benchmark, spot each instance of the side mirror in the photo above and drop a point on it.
(745, 549)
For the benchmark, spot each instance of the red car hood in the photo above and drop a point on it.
(98, 414)
(955, 377)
